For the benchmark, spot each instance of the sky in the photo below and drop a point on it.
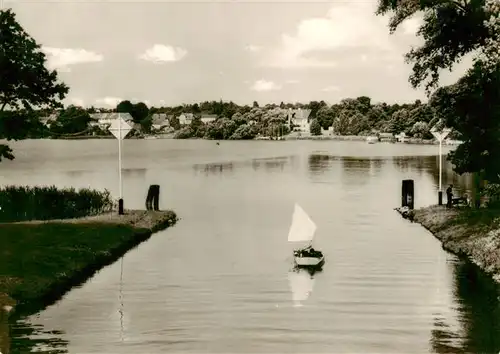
(170, 53)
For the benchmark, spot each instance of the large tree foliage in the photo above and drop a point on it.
(451, 29)
(25, 82)
(472, 107)
(139, 111)
(72, 120)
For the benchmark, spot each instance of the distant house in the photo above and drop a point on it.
(47, 121)
(208, 118)
(186, 118)
(401, 137)
(160, 121)
(300, 119)
(104, 120)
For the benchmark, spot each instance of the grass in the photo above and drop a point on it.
(42, 261)
(473, 234)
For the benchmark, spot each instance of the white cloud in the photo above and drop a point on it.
(292, 82)
(253, 48)
(412, 25)
(109, 101)
(160, 53)
(331, 89)
(77, 101)
(63, 58)
(264, 85)
(348, 25)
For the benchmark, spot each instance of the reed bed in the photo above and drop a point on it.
(23, 203)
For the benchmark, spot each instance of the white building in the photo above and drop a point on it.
(186, 118)
(160, 121)
(300, 119)
(104, 120)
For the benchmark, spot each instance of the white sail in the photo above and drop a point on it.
(301, 284)
(302, 228)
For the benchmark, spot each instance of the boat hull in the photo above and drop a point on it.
(309, 262)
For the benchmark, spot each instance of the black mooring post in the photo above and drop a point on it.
(156, 200)
(120, 206)
(408, 194)
(440, 198)
(153, 197)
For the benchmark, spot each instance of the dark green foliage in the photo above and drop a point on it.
(472, 108)
(71, 120)
(244, 132)
(25, 82)
(45, 203)
(139, 111)
(451, 30)
(315, 127)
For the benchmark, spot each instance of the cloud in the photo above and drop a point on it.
(264, 85)
(77, 101)
(253, 48)
(347, 26)
(412, 25)
(109, 101)
(63, 58)
(292, 82)
(331, 89)
(160, 53)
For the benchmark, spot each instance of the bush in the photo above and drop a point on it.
(45, 203)
(492, 194)
(315, 127)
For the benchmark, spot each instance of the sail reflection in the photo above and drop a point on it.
(301, 284)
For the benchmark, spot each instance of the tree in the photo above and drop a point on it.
(458, 106)
(72, 120)
(341, 124)
(451, 29)
(139, 112)
(325, 116)
(315, 127)
(125, 107)
(24, 79)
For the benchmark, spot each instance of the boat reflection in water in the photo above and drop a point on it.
(301, 284)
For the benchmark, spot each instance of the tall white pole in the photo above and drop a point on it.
(120, 156)
(440, 162)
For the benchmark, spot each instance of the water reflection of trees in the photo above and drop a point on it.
(273, 163)
(26, 338)
(478, 297)
(478, 302)
(319, 163)
(214, 168)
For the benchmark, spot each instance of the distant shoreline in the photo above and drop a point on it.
(415, 141)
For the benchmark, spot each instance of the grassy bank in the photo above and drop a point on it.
(470, 233)
(41, 260)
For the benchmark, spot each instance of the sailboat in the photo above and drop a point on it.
(302, 230)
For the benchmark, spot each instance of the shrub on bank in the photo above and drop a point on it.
(19, 203)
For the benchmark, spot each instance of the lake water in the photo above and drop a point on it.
(220, 281)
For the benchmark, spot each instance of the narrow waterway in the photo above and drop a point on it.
(221, 282)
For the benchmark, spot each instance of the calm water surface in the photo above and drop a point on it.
(220, 281)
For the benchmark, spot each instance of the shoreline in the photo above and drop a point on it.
(470, 234)
(412, 141)
(133, 228)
